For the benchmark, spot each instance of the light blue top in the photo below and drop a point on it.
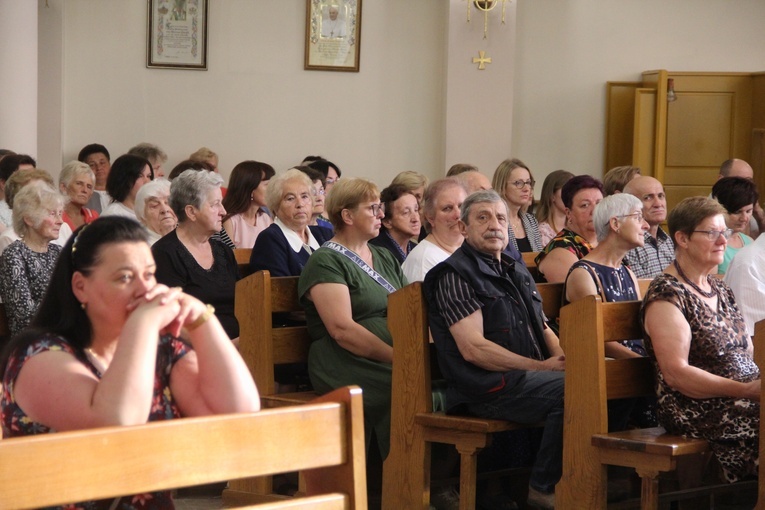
(730, 252)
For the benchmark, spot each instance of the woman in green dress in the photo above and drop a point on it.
(344, 288)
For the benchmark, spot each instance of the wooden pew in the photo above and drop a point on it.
(414, 425)
(759, 357)
(243, 260)
(66, 467)
(591, 381)
(531, 264)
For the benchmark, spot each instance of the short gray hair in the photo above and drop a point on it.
(34, 202)
(612, 206)
(75, 169)
(479, 197)
(432, 192)
(149, 151)
(275, 187)
(158, 188)
(192, 188)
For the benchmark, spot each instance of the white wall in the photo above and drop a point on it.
(567, 50)
(255, 101)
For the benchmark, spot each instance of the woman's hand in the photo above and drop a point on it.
(172, 307)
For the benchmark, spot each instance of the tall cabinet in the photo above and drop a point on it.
(714, 117)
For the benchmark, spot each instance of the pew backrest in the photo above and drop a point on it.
(326, 438)
(242, 256)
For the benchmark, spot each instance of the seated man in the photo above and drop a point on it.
(658, 251)
(746, 278)
(499, 358)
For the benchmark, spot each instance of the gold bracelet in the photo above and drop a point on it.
(203, 317)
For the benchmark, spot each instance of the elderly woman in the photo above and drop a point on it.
(15, 184)
(76, 182)
(344, 288)
(127, 175)
(319, 194)
(156, 157)
(27, 264)
(246, 202)
(441, 203)
(414, 182)
(513, 181)
(551, 213)
(619, 226)
(284, 247)
(112, 347)
(152, 208)
(708, 384)
(188, 258)
(580, 195)
(738, 196)
(401, 222)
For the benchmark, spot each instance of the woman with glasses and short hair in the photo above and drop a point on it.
(708, 383)
(738, 196)
(344, 289)
(513, 181)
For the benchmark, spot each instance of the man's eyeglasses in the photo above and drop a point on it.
(522, 184)
(714, 235)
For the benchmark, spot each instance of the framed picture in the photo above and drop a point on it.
(332, 35)
(177, 32)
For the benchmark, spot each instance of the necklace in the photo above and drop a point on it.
(711, 293)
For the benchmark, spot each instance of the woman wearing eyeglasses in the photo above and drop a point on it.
(738, 196)
(580, 195)
(620, 226)
(708, 383)
(513, 181)
(344, 289)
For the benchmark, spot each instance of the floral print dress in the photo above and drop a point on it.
(719, 345)
(16, 423)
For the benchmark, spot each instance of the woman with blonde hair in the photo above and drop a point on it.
(551, 213)
(414, 182)
(344, 288)
(515, 184)
(76, 181)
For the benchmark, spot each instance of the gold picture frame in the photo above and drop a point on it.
(333, 35)
(177, 34)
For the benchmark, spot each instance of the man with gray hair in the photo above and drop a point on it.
(498, 356)
(658, 251)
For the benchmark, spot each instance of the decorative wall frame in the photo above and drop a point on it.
(333, 35)
(177, 34)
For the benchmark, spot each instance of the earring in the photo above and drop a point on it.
(84, 306)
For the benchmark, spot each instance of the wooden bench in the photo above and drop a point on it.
(243, 260)
(591, 380)
(414, 425)
(66, 467)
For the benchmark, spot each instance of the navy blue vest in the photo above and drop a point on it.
(512, 318)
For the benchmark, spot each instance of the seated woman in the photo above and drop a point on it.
(738, 196)
(16, 183)
(284, 247)
(551, 213)
(126, 177)
(27, 264)
(619, 226)
(110, 346)
(319, 194)
(245, 202)
(514, 183)
(152, 208)
(401, 222)
(708, 383)
(188, 258)
(344, 288)
(76, 182)
(441, 209)
(580, 195)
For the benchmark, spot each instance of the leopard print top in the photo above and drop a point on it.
(720, 345)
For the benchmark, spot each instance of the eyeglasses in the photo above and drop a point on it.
(319, 191)
(331, 180)
(377, 209)
(637, 215)
(714, 235)
(522, 184)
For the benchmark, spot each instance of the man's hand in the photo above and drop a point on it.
(555, 364)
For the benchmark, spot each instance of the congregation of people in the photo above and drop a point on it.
(119, 290)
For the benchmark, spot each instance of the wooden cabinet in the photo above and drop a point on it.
(716, 116)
